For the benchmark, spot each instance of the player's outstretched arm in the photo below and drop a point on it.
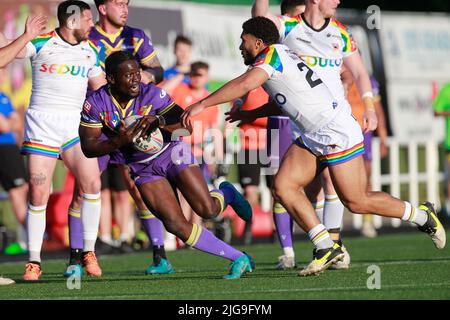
(169, 121)
(356, 66)
(260, 8)
(248, 116)
(233, 89)
(34, 26)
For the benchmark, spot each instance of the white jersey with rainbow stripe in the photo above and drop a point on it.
(322, 50)
(61, 72)
(297, 90)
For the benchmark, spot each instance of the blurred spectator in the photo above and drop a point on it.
(357, 104)
(179, 73)
(185, 94)
(12, 168)
(253, 143)
(441, 106)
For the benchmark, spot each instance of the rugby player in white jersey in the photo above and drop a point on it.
(34, 25)
(326, 45)
(63, 64)
(328, 137)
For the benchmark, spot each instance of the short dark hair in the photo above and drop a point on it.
(115, 59)
(182, 39)
(195, 66)
(98, 3)
(65, 12)
(262, 28)
(287, 5)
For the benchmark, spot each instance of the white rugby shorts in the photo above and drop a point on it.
(50, 133)
(337, 142)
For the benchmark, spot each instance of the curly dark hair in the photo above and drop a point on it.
(115, 59)
(262, 28)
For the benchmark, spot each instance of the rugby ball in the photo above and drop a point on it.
(152, 145)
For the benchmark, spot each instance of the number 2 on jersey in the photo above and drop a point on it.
(309, 74)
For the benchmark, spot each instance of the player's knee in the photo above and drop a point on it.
(176, 227)
(355, 205)
(38, 196)
(279, 189)
(91, 186)
(207, 209)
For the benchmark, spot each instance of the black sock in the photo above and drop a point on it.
(158, 253)
(75, 256)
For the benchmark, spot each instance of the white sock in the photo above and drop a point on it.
(318, 206)
(35, 230)
(414, 215)
(123, 237)
(333, 212)
(289, 251)
(320, 237)
(22, 236)
(106, 238)
(90, 217)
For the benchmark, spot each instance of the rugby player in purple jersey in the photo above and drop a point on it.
(103, 132)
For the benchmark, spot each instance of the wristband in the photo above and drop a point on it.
(161, 121)
(368, 94)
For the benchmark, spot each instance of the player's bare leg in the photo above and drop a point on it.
(153, 228)
(87, 175)
(40, 171)
(330, 211)
(289, 185)
(160, 197)
(350, 180)
(208, 204)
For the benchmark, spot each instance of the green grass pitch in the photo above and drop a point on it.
(411, 268)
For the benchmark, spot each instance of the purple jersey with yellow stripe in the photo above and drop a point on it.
(127, 38)
(323, 50)
(101, 110)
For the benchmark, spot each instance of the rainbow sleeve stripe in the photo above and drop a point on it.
(97, 52)
(29, 147)
(290, 24)
(349, 42)
(273, 59)
(41, 40)
(343, 156)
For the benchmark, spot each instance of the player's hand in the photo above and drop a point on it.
(191, 111)
(236, 114)
(147, 125)
(125, 136)
(35, 25)
(370, 121)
